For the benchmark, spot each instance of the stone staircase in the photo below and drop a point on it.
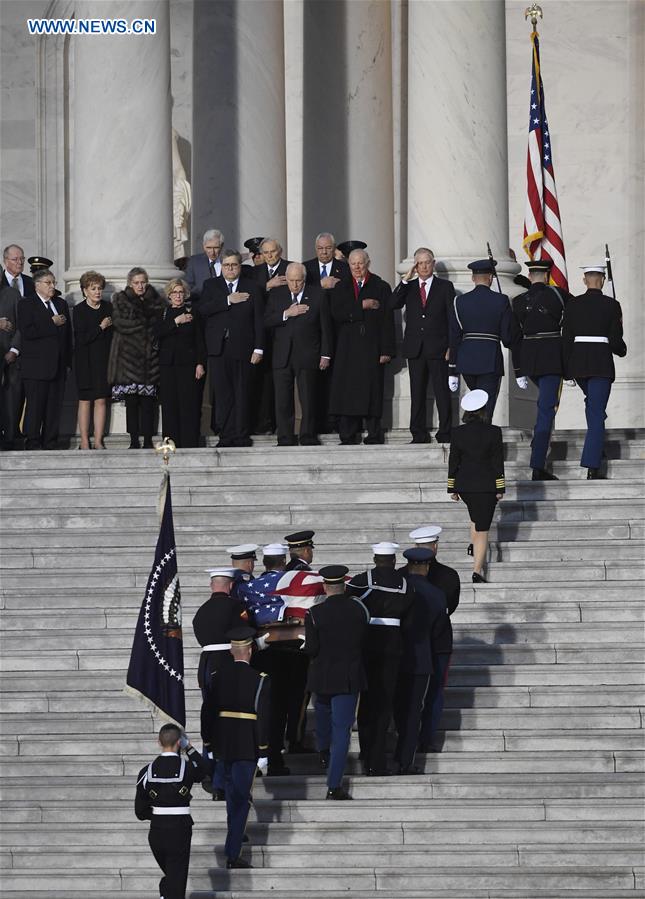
(539, 790)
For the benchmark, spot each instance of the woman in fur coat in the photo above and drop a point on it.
(133, 368)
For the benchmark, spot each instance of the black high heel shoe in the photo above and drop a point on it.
(479, 578)
(469, 549)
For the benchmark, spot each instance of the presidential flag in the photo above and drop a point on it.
(542, 225)
(156, 671)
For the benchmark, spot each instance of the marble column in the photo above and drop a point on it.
(457, 146)
(120, 171)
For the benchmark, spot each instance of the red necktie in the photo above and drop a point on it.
(422, 291)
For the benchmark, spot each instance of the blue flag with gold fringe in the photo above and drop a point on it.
(156, 670)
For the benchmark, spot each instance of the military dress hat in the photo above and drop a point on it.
(333, 574)
(253, 244)
(222, 572)
(243, 551)
(427, 533)
(483, 266)
(348, 245)
(300, 539)
(539, 265)
(39, 262)
(473, 400)
(599, 267)
(275, 549)
(240, 636)
(419, 554)
(385, 549)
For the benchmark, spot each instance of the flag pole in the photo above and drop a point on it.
(535, 12)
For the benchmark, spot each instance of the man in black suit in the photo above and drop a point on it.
(14, 262)
(325, 270)
(233, 310)
(46, 355)
(272, 272)
(298, 317)
(427, 301)
(10, 383)
(208, 264)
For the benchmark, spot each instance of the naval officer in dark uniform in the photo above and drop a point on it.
(335, 632)
(235, 724)
(163, 798)
(213, 620)
(480, 320)
(388, 598)
(301, 550)
(592, 333)
(538, 355)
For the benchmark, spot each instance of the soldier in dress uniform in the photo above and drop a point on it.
(301, 550)
(592, 334)
(427, 619)
(243, 559)
(235, 724)
(213, 620)
(538, 355)
(163, 798)
(447, 580)
(481, 319)
(388, 598)
(335, 635)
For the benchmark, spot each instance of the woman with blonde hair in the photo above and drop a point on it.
(92, 321)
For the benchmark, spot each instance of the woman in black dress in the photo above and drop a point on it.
(182, 361)
(133, 369)
(476, 473)
(92, 320)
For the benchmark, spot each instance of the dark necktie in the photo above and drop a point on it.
(422, 291)
(323, 273)
(15, 283)
(50, 308)
(230, 285)
(359, 284)
(211, 266)
(294, 298)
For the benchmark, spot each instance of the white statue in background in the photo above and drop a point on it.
(181, 201)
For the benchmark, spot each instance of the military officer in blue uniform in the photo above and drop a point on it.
(480, 321)
(538, 355)
(163, 798)
(592, 334)
(301, 550)
(235, 725)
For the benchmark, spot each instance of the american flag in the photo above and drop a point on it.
(542, 225)
(276, 595)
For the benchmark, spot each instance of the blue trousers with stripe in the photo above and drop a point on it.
(334, 718)
(238, 783)
(549, 388)
(596, 391)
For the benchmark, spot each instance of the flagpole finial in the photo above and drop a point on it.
(166, 448)
(535, 12)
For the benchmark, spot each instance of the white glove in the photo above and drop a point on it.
(453, 382)
(522, 382)
(263, 764)
(570, 383)
(261, 641)
(184, 741)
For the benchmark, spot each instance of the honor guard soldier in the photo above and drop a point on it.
(447, 580)
(538, 356)
(235, 724)
(213, 620)
(592, 333)
(480, 320)
(243, 559)
(163, 798)
(335, 634)
(428, 619)
(301, 550)
(388, 599)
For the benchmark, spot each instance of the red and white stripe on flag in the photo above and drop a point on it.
(300, 590)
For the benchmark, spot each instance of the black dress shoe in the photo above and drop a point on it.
(442, 438)
(147, 443)
(219, 796)
(352, 441)
(287, 441)
(469, 549)
(479, 578)
(411, 769)
(324, 759)
(278, 771)
(378, 772)
(134, 443)
(207, 785)
(428, 747)
(421, 438)
(541, 474)
(594, 474)
(223, 444)
(307, 440)
(374, 439)
(244, 441)
(338, 793)
(237, 863)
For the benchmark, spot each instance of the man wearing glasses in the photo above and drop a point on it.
(208, 264)
(13, 261)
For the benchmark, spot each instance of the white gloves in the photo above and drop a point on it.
(522, 382)
(571, 383)
(453, 382)
(184, 741)
(261, 641)
(263, 764)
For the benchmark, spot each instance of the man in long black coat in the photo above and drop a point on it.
(362, 309)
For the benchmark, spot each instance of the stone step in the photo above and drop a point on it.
(356, 894)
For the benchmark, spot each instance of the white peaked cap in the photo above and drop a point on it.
(385, 549)
(275, 549)
(473, 400)
(242, 549)
(221, 572)
(595, 267)
(427, 533)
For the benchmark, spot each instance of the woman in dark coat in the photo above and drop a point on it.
(182, 360)
(476, 473)
(133, 369)
(92, 321)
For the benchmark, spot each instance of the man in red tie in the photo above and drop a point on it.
(427, 301)
(361, 307)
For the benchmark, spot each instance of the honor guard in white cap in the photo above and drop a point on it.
(243, 559)
(592, 334)
(385, 593)
(213, 620)
(427, 533)
(538, 355)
